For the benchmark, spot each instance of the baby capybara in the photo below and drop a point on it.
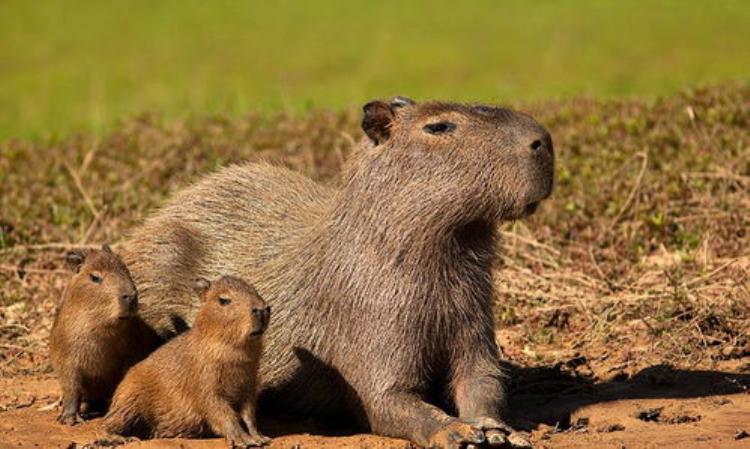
(97, 334)
(204, 381)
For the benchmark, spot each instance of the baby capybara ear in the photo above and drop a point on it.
(74, 259)
(377, 120)
(106, 248)
(201, 286)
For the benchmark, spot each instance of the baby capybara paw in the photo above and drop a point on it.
(247, 441)
(69, 418)
(500, 435)
(457, 435)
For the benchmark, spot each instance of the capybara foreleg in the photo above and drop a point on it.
(479, 395)
(224, 421)
(248, 416)
(405, 415)
(71, 402)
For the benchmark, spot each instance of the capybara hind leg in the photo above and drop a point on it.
(407, 416)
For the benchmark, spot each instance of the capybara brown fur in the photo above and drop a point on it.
(97, 334)
(381, 287)
(204, 381)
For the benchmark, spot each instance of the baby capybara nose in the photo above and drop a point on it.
(263, 314)
(129, 301)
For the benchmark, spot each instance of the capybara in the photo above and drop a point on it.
(381, 287)
(97, 334)
(204, 381)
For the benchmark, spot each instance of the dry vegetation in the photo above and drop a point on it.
(641, 256)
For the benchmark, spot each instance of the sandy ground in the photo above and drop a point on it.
(654, 408)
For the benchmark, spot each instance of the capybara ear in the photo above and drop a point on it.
(74, 259)
(106, 248)
(400, 102)
(201, 286)
(377, 120)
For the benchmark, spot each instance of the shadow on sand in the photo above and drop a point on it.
(542, 395)
(549, 395)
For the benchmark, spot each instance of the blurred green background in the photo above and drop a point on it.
(81, 65)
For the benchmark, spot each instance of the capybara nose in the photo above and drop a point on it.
(129, 301)
(541, 142)
(263, 314)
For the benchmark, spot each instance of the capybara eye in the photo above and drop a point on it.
(96, 279)
(439, 128)
(224, 301)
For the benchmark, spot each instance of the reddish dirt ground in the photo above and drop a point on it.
(655, 408)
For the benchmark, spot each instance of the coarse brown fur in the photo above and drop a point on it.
(204, 381)
(97, 334)
(381, 288)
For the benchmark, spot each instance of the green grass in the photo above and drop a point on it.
(66, 66)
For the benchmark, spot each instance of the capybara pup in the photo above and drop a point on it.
(204, 381)
(97, 334)
(381, 286)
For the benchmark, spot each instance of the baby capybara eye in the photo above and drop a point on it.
(96, 279)
(439, 128)
(224, 301)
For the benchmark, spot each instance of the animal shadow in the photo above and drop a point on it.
(550, 395)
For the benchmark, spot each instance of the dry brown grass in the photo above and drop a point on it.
(640, 257)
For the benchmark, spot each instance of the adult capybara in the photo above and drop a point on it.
(203, 381)
(381, 288)
(97, 334)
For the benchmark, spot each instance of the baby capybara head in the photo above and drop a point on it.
(101, 284)
(232, 309)
(488, 159)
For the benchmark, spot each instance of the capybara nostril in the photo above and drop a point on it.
(536, 145)
(263, 314)
(266, 315)
(129, 300)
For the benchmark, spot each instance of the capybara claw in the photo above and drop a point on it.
(69, 419)
(499, 434)
(457, 435)
(248, 441)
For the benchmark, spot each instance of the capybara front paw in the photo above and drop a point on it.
(247, 441)
(69, 418)
(264, 439)
(499, 434)
(457, 435)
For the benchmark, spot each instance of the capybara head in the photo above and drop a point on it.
(231, 308)
(101, 284)
(491, 160)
